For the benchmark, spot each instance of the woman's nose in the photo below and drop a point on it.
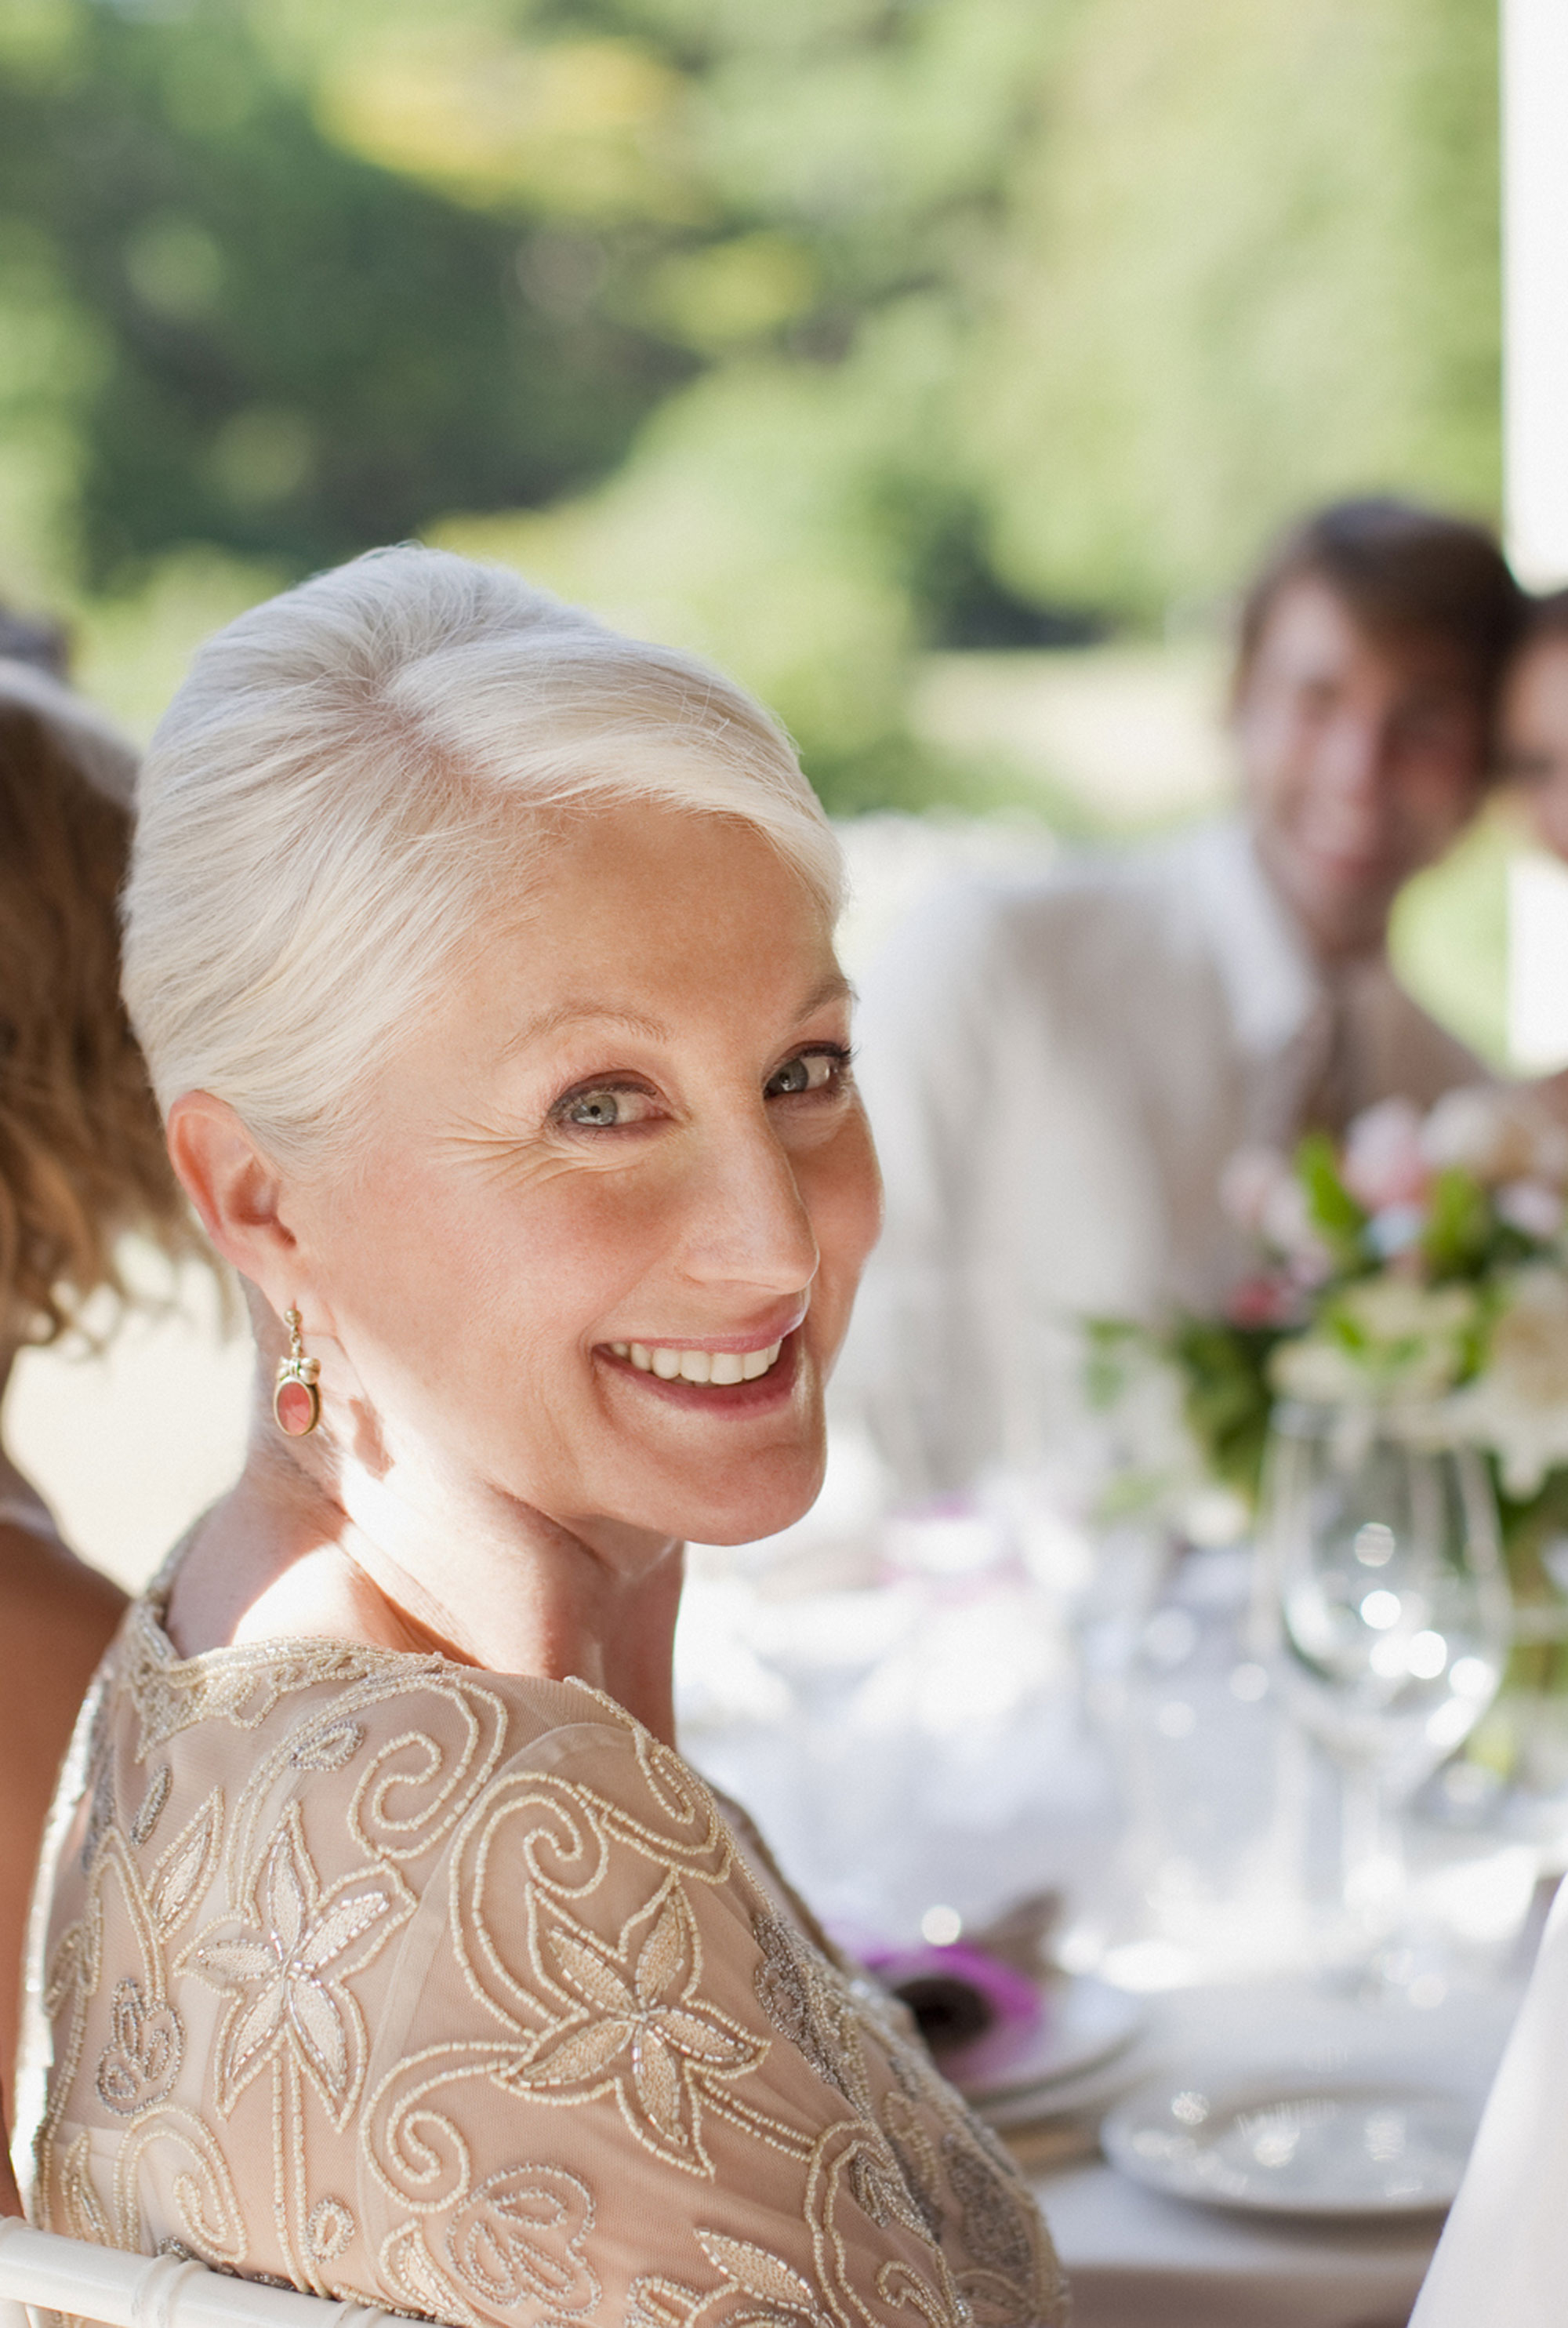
(747, 1222)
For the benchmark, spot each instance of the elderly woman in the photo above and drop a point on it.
(482, 960)
(82, 1159)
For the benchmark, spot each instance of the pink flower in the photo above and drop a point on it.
(1384, 1167)
(1311, 1266)
(1262, 1195)
(1263, 1300)
(1531, 1207)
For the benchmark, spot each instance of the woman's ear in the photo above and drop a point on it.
(235, 1187)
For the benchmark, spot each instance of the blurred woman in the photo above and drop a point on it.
(82, 1159)
(1534, 720)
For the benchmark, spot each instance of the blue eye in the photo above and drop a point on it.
(605, 1107)
(808, 1071)
(595, 1108)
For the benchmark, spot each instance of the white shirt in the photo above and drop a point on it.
(1057, 1070)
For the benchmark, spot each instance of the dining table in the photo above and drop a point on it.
(1139, 2257)
(1136, 2258)
(922, 1738)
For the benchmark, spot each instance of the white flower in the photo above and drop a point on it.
(1384, 1338)
(1249, 1185)
(1518, 1404)
(1499, 1133)
(1288, 1228)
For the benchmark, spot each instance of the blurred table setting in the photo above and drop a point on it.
(1201, 1784)
(1059, 1781)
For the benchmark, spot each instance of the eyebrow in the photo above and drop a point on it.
(835, 988)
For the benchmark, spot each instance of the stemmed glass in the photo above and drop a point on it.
(1386, 1613)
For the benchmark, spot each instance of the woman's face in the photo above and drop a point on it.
(1534, 736)
(620, 1191)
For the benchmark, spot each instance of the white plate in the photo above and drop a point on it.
(1083, 2022)
(1087, 2096)
(1290, 2142)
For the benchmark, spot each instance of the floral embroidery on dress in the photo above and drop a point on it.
(101, 1816)
(152, 1801)
(242, 1687)
(994, 2224)
(137, 2068)
(751, 2270)
(455, 1992)
(288, 1971)
(798, 1993)
(521, 2239)
(635, 2025)
(182, 1874)
(911, 2144)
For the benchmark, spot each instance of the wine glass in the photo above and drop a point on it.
(1386, 1614)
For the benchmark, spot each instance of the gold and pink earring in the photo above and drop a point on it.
(296, 1400)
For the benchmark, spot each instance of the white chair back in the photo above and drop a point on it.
(131, 2291)
(1503, 2257)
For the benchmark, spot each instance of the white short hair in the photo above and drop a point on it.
(356, 775)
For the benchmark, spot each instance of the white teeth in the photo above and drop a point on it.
(725, 1366)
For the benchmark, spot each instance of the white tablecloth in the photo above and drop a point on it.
(1138, 2260)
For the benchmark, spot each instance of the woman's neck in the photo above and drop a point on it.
(471, 1575)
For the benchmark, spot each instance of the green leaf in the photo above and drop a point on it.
(1335, 1214)
(1229, 1399)
(1114, 1346)
(1460, 1227)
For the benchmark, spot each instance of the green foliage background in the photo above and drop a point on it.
(811, 334)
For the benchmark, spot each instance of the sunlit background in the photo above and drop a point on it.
(938, 366)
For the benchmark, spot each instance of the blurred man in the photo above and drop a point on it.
(1058, 1070)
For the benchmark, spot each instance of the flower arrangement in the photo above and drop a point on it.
(1419, 1268)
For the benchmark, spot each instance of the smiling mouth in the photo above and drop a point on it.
(725, 1367)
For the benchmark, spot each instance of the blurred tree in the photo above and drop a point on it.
(1082, 298)
(1253, 265)
(297, 353)
(812, 335)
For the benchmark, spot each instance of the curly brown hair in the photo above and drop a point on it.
(82, 1148)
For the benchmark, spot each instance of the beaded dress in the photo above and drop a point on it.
(457, 1993)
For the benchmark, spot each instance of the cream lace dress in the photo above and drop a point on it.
(453, 1992)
